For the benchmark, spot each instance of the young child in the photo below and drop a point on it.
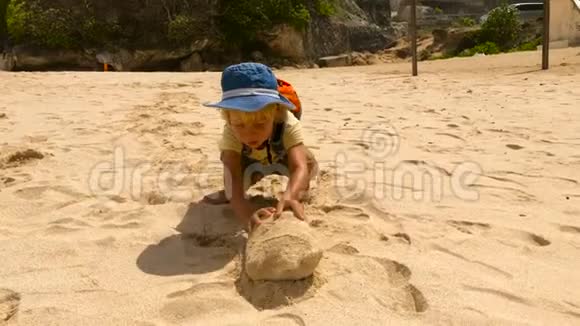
(260, 137)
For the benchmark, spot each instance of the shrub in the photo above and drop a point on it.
(466, 22)
(485, 48)
(181, 29)
(242, 20)
(94, 32)
(325, 7)
(28, 22)
(469, 40)
(16, 19)
(49, 27)
(529, 46)
(502, 27)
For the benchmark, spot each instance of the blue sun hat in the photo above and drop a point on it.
(249, 87)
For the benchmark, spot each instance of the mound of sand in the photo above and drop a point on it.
(284, 249)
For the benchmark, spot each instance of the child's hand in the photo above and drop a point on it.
(259, 215)
(286, 202)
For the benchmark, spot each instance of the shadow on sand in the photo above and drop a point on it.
(209, 238)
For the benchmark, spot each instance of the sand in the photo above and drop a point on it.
(484, 229)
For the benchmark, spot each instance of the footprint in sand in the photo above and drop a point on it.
(514, 146)
(65, 225)
(343, 211)
(6, 181)
(498, 294)
(384, 282)
(154, 198)
(498, 233)
(9, 303)
(490, 267)
(570, 229)
(120, 220)
(284, 319)
(469, 227)
(16, 157)
(352, 222)
(450, 135)
(505, 193)
(55, 192)
(37, 139)
(203, 302)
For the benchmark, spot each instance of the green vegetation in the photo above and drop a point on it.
(501, 32)
(242, 20)
(529, 46)
(50, 25)
(181, 29)
(466, 22)
(502, 27)
(326, 7)
(27, 22)
(485, 48)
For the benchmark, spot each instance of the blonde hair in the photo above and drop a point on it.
(275, 111)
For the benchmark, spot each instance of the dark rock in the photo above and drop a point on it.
(403, 53)
(257, 56)
(28, 58)
(147, 60)
(192, 63)
(286, 42)
(358, 59)
(369, 38)
(453, 41)
(377, 12)
(335, 61)
(6, 61)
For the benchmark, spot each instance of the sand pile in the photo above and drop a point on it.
(284, 249)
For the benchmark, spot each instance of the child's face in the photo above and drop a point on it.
(252, 132)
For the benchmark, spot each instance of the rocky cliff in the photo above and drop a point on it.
(184, 35)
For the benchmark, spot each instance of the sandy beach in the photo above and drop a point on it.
(451, 198)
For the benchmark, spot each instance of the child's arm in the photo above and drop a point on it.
(298, 181)
(299, 174)
(233, 186)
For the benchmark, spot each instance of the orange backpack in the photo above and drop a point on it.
(286, 89)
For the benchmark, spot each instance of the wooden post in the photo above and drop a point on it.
(546, 36)
(413, 35)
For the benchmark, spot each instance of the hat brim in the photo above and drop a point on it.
(251, 103)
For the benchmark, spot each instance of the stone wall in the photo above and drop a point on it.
(565, 21)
